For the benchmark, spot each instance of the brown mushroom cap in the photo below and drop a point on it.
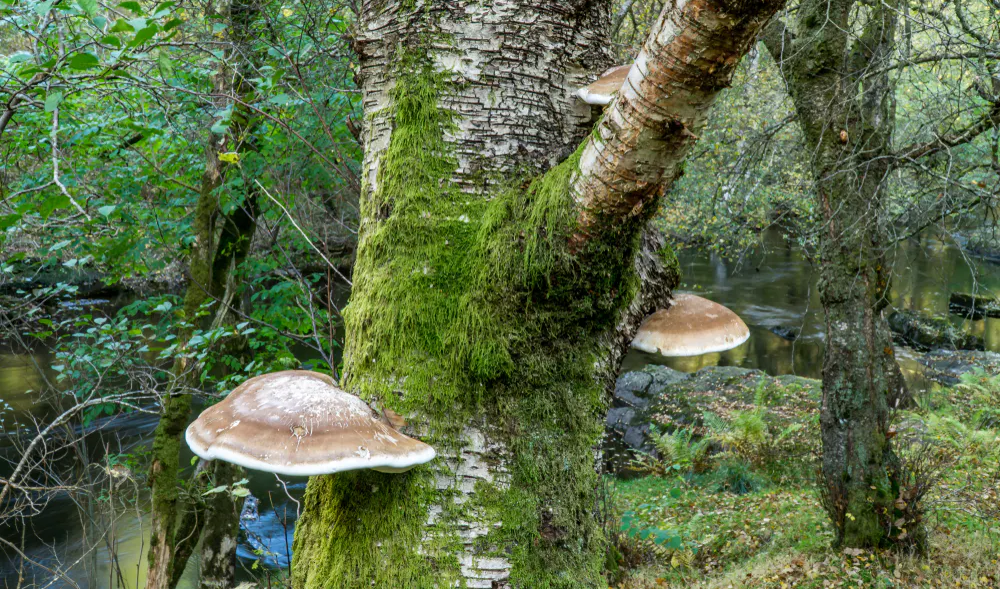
(300, 423)
(604, 89)
(691, 326)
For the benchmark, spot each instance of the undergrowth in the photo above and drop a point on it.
(751, 524)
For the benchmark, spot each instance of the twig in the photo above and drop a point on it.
(303, 233)
(55, 164)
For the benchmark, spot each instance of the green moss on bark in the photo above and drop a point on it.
(468, 310)
(671, 265)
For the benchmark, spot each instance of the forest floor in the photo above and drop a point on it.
(747, 507)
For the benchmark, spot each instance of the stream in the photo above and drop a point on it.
(773, 288)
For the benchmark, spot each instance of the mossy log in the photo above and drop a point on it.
(972, 306)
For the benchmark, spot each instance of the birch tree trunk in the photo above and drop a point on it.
(501, 271)
(845, 108)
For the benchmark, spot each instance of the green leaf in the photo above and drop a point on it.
(171, 24)
(144, 35)
(165, 64)
(675, 543)
(133, 6)
(676, 493)
(42, 8)
(50, 204)
(52, 101)
(106, 210)
(99, 21)
(83, 61)
(112, 40)
(89, 7)
(213, 490)
(241, 492)
(7, 221)
(162, 9)
(122, 27)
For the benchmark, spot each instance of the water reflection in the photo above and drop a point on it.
(56, 555)
(774, 287)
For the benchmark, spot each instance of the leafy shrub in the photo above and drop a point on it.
(969, 441)
(736, 476)
(667, 545)
(749, 435)
(680, 451)
(983, 397)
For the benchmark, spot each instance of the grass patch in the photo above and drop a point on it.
(759, 523)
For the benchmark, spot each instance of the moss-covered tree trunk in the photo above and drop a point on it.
(222, 242)
(502, 267)
(847, 116)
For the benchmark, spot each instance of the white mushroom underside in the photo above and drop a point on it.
(383, 463)
(596, 98)
(648, 344)
(299, 423)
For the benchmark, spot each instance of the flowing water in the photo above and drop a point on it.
(772, 288)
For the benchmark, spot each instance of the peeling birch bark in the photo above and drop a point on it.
(640, 145)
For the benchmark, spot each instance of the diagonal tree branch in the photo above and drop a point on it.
(944, 142)
(637, 150)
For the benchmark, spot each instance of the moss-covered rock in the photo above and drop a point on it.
(948, 366)
(925, 331)
(670, 399)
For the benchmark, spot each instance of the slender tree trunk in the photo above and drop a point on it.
(491, 304)
(220, 532)
(221, 244)
(847, 118)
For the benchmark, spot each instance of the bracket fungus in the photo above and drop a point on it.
(604, 89)
(691, 326)
(300, 423)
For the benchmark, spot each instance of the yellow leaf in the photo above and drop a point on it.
(230, 157)
(286, 12)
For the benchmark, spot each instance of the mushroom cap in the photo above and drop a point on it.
(691, 326)
(300, 423)
(604, 89)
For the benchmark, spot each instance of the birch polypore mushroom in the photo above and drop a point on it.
(604, 89)
(691, 326)
(300, 423)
